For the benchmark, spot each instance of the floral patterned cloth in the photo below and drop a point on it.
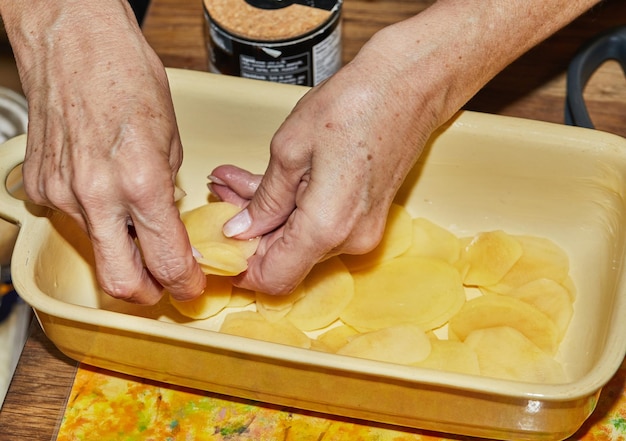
(106, 406)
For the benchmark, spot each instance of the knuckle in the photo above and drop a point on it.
(362, 237)
(172, 272)
(267, 204)
(119, 289)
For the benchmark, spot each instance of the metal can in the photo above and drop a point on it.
(285, 41)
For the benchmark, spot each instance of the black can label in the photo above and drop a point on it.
(307, 60)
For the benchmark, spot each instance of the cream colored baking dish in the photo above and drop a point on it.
(478, 173)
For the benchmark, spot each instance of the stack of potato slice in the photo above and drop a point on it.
(407, 301)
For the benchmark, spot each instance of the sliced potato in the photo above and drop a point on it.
(402, 344)
(504, 352)
(551, 298)
(541, 258)
(337, 337)
(214, 299)
(320, 346)
(395, 241)
(460, 264)
(204, 226)
(451, 356)
(568, 284)
(423, 291)
(276, 307)
(328, 288)
(431, 240)
(488, 257)
(241, 297)
(498, 310)
(251, 324)
(221, 259)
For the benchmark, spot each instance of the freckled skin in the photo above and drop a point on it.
(336, 161)
(356, 136)
(103, 145)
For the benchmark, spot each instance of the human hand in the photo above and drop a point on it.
(341, 155)
(103, 144)
(336, 164)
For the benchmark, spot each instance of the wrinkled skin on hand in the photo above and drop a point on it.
(339, 158)
(103, 144)
(336, 164)
(104, 148)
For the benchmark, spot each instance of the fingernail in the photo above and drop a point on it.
(238, 224)
(215, 180)
(179, 193)
(212, 189)
(197, 254)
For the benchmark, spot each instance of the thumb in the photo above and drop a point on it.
(271, 204)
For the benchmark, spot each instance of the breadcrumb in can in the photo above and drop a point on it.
(285, 41)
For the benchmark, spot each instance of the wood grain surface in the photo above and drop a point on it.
(532, 87)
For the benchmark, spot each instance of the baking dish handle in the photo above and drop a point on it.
(12, 153)
(608, 46)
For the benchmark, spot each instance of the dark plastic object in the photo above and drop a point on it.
(7, 302)
(278, 4)
(608, 46)
(140, 7)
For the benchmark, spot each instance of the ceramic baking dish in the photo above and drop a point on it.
(479, 172)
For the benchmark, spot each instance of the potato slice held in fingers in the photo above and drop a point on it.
(219, 254)
(221, 259)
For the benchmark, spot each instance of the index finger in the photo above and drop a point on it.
(168, 254)
(286, 256)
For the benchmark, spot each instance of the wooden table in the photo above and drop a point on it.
(533, 87)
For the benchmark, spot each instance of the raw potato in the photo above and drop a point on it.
(451, 356)
(204, 227)
(274, 307)
(215, 298)
(327, 290)
(568, 284)
(401, 344)
(431, 240)
(488, 257)
(386, 303)
(497, 310)
(551, 298)
(221, 259)
(395, 241)
(541, 258)
(504, 352)
(422, 291)
(241, 297)
(336, 337)
(253, 325)
(316, 302)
